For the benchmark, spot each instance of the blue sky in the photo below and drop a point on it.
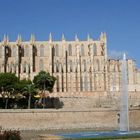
(120, 19)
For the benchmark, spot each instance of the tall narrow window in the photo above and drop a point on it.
(98, 65)
(70, 63)
(10, 68)
(85, 67)
(26, 51)
(57, 83)
(85, 83)
(34, 56)
(82, 50)
(14, 51)
(24, 67)
(76, 80)
(0, 52)
(41, 65)
(81, 83)
(70, 50)
(90, 81)
(56, 50)
(94, 49)
(22, 51)
(42, 49)
(9, 51)
(57, 66)
(62, 82)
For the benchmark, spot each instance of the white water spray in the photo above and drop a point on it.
(124, 110)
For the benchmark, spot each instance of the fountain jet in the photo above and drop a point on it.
(124, 110)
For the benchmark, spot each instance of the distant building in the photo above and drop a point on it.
(79, 66)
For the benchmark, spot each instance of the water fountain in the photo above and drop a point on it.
(124, 116)
(124, 110)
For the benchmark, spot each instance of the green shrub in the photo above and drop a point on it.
(10, 135)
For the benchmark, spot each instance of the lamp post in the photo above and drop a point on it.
(44, 96)
(6, 103)
(29, 100)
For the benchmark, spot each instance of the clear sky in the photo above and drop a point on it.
(120, 19)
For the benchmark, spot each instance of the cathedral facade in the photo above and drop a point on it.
(79, 66)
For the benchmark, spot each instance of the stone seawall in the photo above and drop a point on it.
(65, 119)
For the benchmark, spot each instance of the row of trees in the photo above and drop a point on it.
(14, 91)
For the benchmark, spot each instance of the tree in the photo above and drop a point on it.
(8, 83)
(29, 91)
(44, 81)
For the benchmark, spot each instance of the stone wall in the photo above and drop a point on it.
(65, 119)
(89, 100)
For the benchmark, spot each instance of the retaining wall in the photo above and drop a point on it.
(65, 119)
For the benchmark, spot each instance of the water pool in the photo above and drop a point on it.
(77, 135)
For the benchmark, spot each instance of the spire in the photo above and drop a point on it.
(50, 37)
(88, 37)
(19, 39)
(5, 39)
(103, 37)
(63, 37)
(124, 56)
(32, 39)
(76, 38)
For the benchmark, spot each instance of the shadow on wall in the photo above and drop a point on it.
(49, 102)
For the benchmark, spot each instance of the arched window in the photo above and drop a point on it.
(94, 49)
(98, 65)
(57, 83)
(85, 83)
(14, 68)
(56, 50)
(70, 50)
(90, 78)
(26, 51)
(9, 51)
(42, 49)
(70, 63)
(53, 51)
(22, 51)
(14, 51)
(82, 50)
(41, 65)
(24, 67)
(81, 83)
(57, 66)
(85, 66)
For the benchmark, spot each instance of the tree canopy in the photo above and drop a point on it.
(8, 81)
(22, 84)
(44, 81)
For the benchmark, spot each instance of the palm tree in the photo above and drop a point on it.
(29, 90)
(44, 81)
